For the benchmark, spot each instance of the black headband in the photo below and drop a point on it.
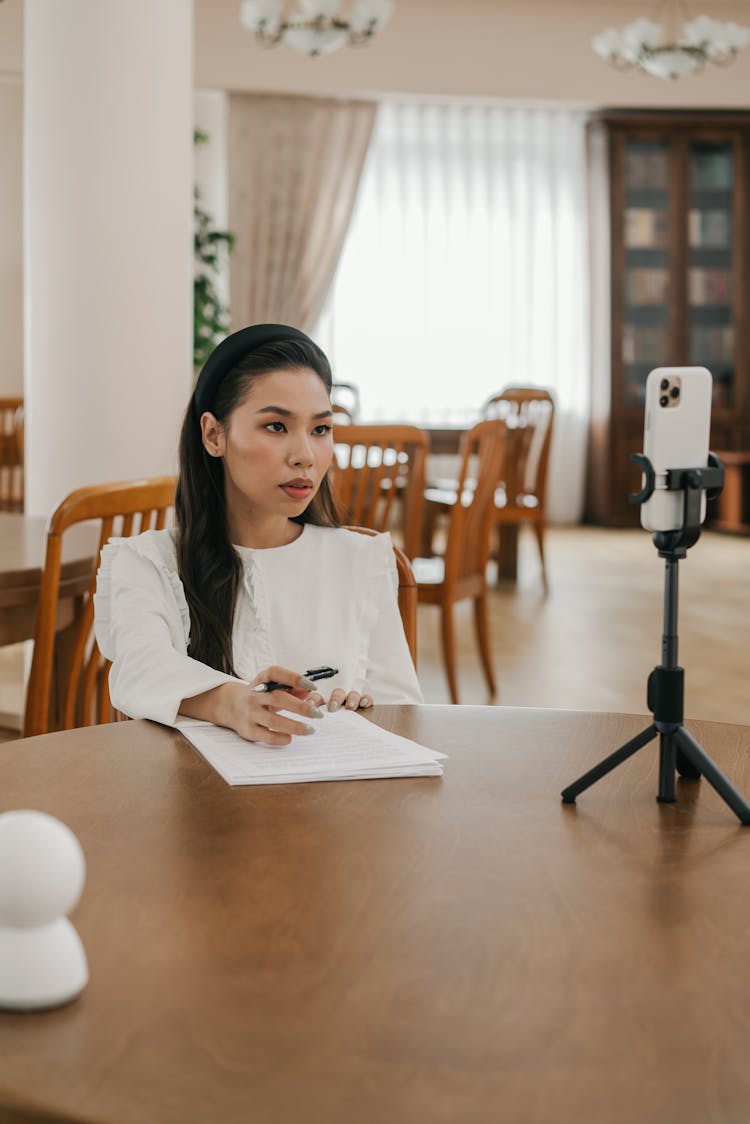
(230, 351)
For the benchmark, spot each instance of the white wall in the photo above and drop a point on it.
(11, 237)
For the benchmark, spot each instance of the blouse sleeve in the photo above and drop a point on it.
(390, 676)
(141, 627)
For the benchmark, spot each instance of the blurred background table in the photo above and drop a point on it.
(22, 546)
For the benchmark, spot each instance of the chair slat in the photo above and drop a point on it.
(378, 478)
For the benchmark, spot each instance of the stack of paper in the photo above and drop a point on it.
(344, 747)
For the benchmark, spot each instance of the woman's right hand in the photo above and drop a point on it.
(254, 714)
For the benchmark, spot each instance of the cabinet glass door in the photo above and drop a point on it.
(645, 338)
(711, 265)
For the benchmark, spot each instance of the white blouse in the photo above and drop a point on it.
(329, 597)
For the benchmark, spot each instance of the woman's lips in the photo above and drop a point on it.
(298, 489)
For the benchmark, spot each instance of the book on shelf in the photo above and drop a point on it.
(711, 168)
(646, 285)
(711, 345)
(645, 228)
(647, 166)
(709, 286)
(644, 344)
(708, 228)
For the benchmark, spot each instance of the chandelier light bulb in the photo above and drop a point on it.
(319, 9)
(640, 44)
(371, 13)
(315, 27)
(263, 14)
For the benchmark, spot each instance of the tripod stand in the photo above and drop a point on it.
(678, 749)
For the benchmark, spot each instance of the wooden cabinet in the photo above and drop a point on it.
(670, 279)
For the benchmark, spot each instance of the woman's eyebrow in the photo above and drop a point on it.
(290, 413)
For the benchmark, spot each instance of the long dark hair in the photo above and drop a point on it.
(208, 564)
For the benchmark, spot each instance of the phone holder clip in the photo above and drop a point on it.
(691, 482)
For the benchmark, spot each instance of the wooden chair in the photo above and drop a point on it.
(528, 413)
(11, 454)
(460, 573)
(71, 659)
(379, 472)
(407, 593)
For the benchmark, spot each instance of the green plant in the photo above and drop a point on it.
(210, 316)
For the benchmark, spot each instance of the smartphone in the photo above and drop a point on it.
(675, 435)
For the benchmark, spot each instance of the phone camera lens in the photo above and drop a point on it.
(674, 392)
(663, 401)
(664, 384)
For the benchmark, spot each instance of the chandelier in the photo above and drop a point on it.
(643, 44)
(315, 27)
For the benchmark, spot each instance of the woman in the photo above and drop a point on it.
(257, 582)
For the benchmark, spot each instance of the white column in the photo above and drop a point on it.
(108, 240)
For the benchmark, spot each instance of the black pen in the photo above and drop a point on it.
(312, 673)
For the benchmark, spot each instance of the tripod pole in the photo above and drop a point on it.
(671, 595)
(668, 724)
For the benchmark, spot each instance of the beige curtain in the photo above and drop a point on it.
(294, 167)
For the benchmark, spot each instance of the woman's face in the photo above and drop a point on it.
(277, 445)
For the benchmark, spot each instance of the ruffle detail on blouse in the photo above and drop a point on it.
(158, 548)
(380, 573)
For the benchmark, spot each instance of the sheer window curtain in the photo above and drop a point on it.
(465, 268)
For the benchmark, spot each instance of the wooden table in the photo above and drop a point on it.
(464, 949)
(22, 546)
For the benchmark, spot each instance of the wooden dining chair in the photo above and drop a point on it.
(378, 478)
(68, 685)
(11, 454)
(529, 414)
(460, 572)
(407, 593)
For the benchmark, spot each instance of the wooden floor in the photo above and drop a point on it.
(591, 643)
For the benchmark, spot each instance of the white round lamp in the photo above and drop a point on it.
(42, 870)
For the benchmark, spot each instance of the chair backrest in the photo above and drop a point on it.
(531, 409)
(407, 593)
(378, 472)
(81, 694)
(11, 454)
(345, 399)
(482, 453)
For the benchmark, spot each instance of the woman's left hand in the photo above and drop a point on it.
(350, 700)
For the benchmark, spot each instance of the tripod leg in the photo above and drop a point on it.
(687, 771)
(699, 759)
(607, 765)
(667, 765)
